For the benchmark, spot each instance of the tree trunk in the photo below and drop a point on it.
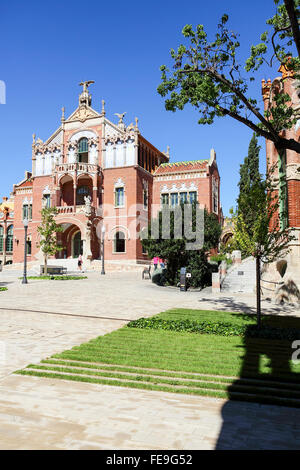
(291, 11)
(258, 298)
(45, 265)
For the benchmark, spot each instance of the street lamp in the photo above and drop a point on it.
(102, 241)
(25, 223)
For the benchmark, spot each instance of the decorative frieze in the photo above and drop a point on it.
(293, 171)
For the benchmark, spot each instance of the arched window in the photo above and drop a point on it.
(1, 238)
(83, 150)
(9, 238)
(119, 242)
(82, 192)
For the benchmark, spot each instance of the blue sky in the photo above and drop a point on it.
(48, 47)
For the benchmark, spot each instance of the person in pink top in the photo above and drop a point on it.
(155, 262)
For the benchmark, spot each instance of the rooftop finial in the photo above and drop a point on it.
(121, 117)
(85, 98)
(103, 108)
(33, 139)
(63, 113)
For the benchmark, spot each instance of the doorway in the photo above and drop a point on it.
(77, 245)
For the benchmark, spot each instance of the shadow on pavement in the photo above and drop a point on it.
(231, 304)
(251, 425)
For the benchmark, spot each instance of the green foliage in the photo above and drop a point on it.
(174, 250)
(3, 288)
(48, 230)
(216, 328)
(250, 180)
(257, 230)
(208, 75)
(221, 257)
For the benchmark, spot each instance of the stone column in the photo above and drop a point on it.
(95, 189)
(87, 252)
(223, 269)
(215, 283)
(237, 257)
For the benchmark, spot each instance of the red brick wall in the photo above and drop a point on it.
(294, 202)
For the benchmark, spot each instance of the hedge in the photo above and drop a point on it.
(216, 328)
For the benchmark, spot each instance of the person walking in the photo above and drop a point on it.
(162, 263)
(155, 262)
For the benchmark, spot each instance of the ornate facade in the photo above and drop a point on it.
(6, 230)
(99, 173)
(287, 175)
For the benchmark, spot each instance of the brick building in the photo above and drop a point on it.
(99, 173)
(6, 230)
(288, 168)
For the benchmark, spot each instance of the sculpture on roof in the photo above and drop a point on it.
(86, 85)
(85, 98)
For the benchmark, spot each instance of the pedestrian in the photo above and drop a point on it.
(162, 263)
(155, 262)
(80, 262)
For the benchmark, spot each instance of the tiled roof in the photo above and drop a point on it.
(25, 184)
(181, 166)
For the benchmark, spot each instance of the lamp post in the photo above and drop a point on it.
(25, 223)
(102, 241)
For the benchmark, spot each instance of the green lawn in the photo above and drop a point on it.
(240, 368)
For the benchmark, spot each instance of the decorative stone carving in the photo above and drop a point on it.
(293, 172)
(119, 183)
(88, 206)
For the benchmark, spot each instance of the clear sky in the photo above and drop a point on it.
(48, 47)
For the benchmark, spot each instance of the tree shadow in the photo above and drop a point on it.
(3, 284)
(231, 304)
(266, 378)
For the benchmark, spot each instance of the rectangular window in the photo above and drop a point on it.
(25, 211)
(29, 247)
(174, 199)
(165, 199)
(183, 198)
(119, 197)
(145, 198)
(215, 204)
(47, 201)
(192, 196)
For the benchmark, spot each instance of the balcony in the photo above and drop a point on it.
(77, 167)
(78, 209)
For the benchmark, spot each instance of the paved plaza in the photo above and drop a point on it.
(47, 317)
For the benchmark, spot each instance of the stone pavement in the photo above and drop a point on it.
(48, 414)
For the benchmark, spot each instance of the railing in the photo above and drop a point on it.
(65, 209)
(78, 208)
(67, 167)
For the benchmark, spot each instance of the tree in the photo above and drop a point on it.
(174, 249)
(263, 238)
(48, 230)
(249, 177)
(208, 75)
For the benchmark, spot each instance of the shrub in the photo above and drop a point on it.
(216, 328)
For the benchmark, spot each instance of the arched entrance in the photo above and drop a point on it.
(77, 245)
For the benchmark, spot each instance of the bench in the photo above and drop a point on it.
(53, 270)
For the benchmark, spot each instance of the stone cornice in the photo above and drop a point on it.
(115, 138)
(293, 172)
